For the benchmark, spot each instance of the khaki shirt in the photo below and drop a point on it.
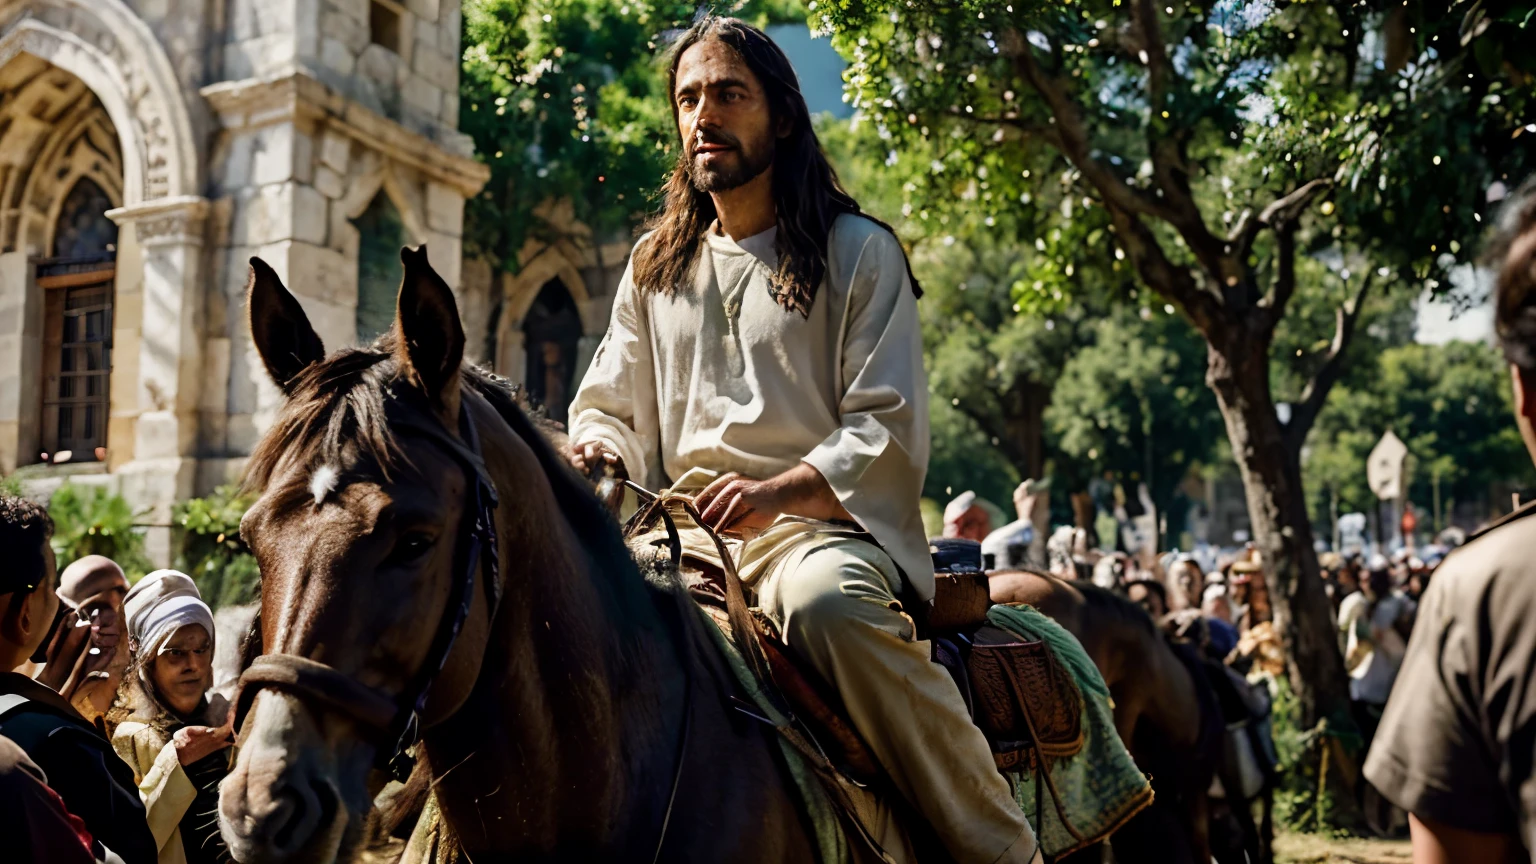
(1458, 739)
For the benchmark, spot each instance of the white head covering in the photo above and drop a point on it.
(958, 507)
(1009, 545)
(159, 605)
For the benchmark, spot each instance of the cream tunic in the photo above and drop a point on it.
(718, 376)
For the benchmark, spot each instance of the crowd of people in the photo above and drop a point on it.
(110, 749)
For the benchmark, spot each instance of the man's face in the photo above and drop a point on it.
(973, 524)
(1147, 599)
(723, 117)
(43, 603)
(105, 617)
(1525, 406)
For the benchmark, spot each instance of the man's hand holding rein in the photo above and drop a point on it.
(734, 503)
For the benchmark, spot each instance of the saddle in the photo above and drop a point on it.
(1019, 695)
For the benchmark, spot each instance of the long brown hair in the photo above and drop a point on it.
(807, 195)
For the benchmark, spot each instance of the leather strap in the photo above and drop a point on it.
(320, 683)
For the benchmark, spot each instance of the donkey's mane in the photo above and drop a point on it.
(338, 413)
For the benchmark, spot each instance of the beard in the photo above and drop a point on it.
(748, 164)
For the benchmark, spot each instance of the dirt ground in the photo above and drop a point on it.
(1314, 849)
(1289, 849)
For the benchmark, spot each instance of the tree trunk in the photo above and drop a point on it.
(1238, 372)
(1024, 419)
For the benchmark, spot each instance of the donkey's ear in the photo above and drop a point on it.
(431, 339)
(282, 333)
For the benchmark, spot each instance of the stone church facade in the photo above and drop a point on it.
(149, 148)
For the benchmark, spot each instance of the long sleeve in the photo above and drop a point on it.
(877, 459)
(164, 786)
(616, 403)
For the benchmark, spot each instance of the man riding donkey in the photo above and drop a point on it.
(764, 354)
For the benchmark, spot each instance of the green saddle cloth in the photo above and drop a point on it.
(1098, 789)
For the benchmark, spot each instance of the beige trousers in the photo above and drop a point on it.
(834, 598)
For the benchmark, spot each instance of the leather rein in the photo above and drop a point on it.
(395, 721)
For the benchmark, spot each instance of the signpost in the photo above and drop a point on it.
(1384, 474)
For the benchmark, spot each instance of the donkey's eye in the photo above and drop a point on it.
(412, 546)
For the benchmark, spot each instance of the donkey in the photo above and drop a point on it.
(1157, 709)
(567, 708)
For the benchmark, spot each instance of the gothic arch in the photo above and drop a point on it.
(524, 288)
(113, 52)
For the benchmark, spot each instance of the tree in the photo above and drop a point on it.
(562, 100)
(1451, 404)
(1133, 403)
(1212, 147)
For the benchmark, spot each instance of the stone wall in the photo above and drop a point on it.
(221, 130)
(294, 163)
(414, 81)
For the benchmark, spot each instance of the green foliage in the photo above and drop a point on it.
(92, 521)
(1301, 804)
(1238, 105)
(993, 371)
(10, 485)
(1133, 403)
(1451, 404)
(211, 551)
(564, 100)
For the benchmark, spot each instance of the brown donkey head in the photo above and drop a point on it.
(356, 531)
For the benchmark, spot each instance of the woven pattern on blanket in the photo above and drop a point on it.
(1098, 789)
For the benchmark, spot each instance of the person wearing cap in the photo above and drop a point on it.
(164, 726)
(85, 656)
(1456, 746)
(73, 754)
(966, 519)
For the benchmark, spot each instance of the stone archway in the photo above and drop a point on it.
(113, 52)
(100, 52)
(518, 295)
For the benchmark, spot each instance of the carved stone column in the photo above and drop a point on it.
(163, 467)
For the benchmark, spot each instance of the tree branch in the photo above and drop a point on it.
(1125, 205)
(1284, 284)
(1013, 122)
(1304, 412)
(1283, 210)
(1072, 135)
(1170, 165)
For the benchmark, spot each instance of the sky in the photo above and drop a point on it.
(819, 68)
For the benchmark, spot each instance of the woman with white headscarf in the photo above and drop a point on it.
(163, 725)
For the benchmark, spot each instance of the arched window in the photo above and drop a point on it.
(83, 228)
(77, 330)
(552, 331)
(378, 266)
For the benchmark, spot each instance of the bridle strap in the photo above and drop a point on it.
(340, 693)
(396, 721)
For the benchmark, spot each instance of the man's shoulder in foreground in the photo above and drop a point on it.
(1452, 741)
(1500, 553)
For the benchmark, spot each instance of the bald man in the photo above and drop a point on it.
(86, 657)
(965, 518)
